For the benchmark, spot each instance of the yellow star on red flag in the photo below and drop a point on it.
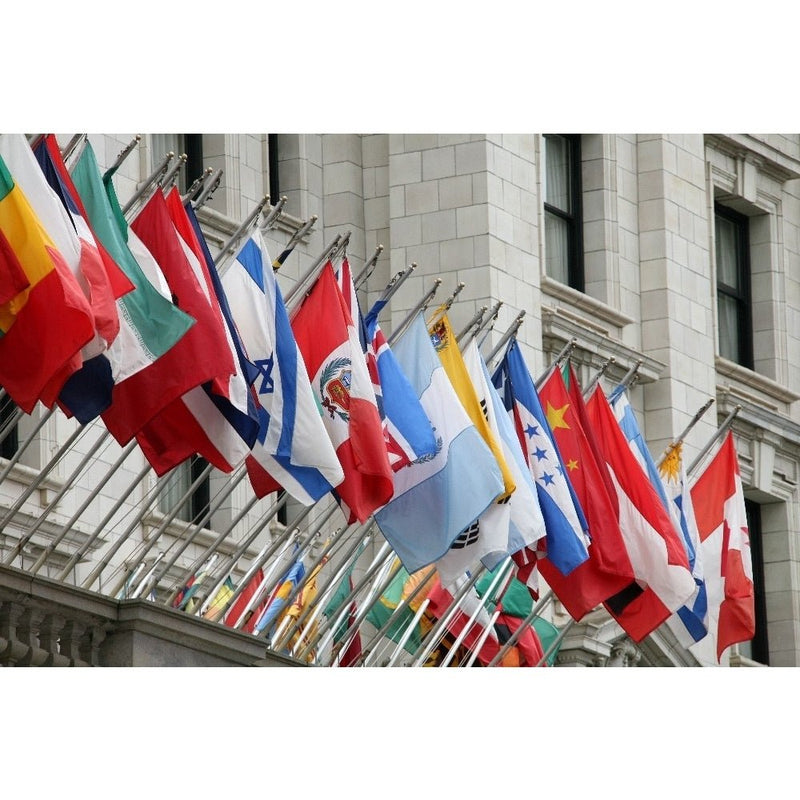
(555, 416)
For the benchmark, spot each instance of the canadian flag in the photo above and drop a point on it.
(719, 509)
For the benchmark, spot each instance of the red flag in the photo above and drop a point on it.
(719, 509)
(235, 611)
(330, 347)
(663, 578)
(608, 570)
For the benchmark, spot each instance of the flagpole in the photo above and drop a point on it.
(138, 591)
(474, 615)
(195, 187)
(476, 319)
(563, 354)
(210, 185)
(556, 642)
(536, 610)
(78, 554)
(149, 181)
(602, 371)
(411, 316)
(723, 429)
(394, 284)
(123, 154)
(514, 327)
(71, 145)
(491, 318)
(396, 653)
(11, 423)
(227, 248)
(445, 307)
(24, 446)
(326, 253)
(169, 178)
(695, 419)
(291, 244)
(401, 606)
(481, 641)
(436, 633)
(367, 269)
(629, 377)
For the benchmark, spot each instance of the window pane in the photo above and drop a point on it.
(556, 231)
(727, 236)
(178, 482)
(557, 173)
(728, 311)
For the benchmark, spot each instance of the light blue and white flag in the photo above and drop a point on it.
(437, 497)
(293, 450)
(690, 622)
(563, 516)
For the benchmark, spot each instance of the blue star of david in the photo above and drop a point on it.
(264, 366)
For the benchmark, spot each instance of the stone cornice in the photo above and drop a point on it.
(769, 160)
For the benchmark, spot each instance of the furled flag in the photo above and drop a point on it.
(438, 497)
(626, 417)
(185, 599)
(608, 569)
(664, 581)
(305, 599)
(566, 544)
(253, 588)
(719, 508)
(148, 371)
(293, 450)
(329, 344)
(689, 623)
(509, 524)
(193, 423)
(44, 326)
(346, 648)
(277, 603)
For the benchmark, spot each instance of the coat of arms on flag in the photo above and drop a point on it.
(334, 388)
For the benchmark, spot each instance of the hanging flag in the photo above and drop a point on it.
(292, 450)
(254, 586)
(438, 497)
(43, 327)
(664, 581)
(346, 648)
(509, 524)
(329, 344)
(193, 423)
(185, 599)
(689, 623)
(608, 569)
(217, 605)
(277, 603)
(148, 372)
(306, 598)
(719, 508)
(566, 544)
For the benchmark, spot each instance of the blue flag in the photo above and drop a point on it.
(437, 497)
(563, 515)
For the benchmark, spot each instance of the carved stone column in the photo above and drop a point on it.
(11, 649)
(624, 654)
(71, 636)
(49, 635)
(28, 633)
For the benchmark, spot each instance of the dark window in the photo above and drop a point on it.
(8, 430)
(274, 185)
(562, 209)
(190, 144)
(758, 647)
(731, 231)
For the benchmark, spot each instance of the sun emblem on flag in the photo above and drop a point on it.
(334, 388)
(439, 336)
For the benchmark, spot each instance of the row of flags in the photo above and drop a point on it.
(460, 467)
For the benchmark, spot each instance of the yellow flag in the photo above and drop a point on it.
(446, 346)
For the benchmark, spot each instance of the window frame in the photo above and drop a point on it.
(743, 296)
(576, 278)
(759, 644)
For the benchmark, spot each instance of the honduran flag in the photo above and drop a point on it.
(293, 450)
(664, 581)
(725, 545)
(566, 542)
(44, 326)
(438, 497)
(329, 343)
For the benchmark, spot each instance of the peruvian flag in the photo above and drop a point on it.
(332, 351)
(722, 524)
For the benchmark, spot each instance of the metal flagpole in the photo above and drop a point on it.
(401, 606)
(437, 631)
(563, 354)
(482, 639)
(367, 269)
(138, 591)
(24, 446)
(11, 422)
(501, 573)
(123, 154)
(506, 336)
(304, 279)
(195, 187)
(602, 371)
(172, 173)
(629, 376)
(227, 248)
(394, 284)
(719, 433)
(396, 653)
(537, 609)
(78, 554)
(411, 316)
(291, 244)
(476, 320)
(695, 419)
(445, 307)
(71, 145)
(173, 512)
(186, 539)
(275, 212)
(149, 181)
(488, 323)
(210, 185)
